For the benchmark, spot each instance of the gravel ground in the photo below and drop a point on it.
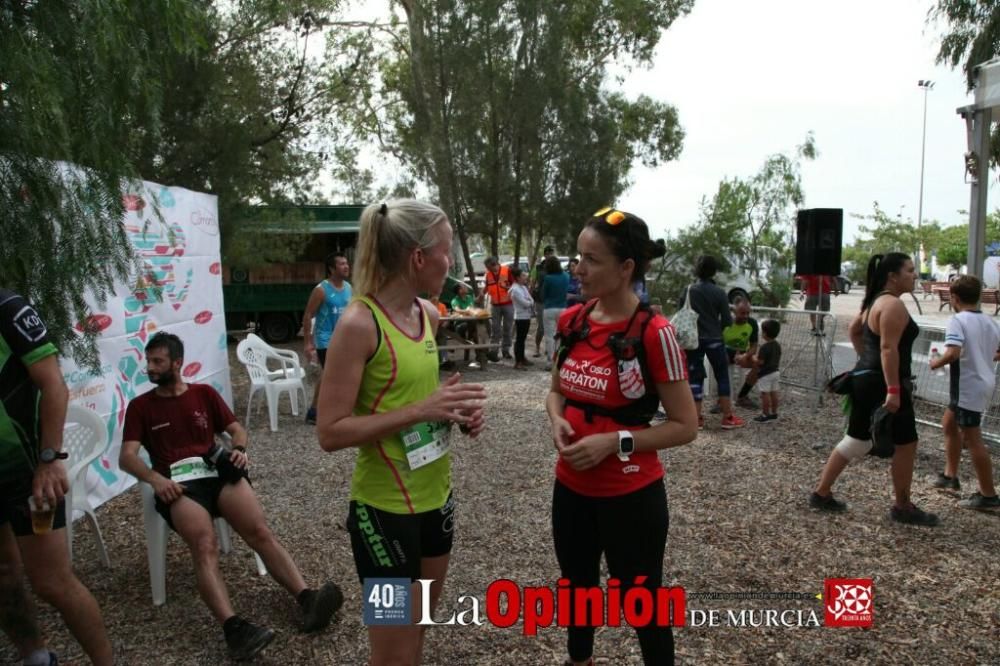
(739, 523)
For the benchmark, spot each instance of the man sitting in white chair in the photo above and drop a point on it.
(176, 422)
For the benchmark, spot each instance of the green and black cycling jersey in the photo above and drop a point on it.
(23, 341)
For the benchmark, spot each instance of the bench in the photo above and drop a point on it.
(944, 296)
(991, 297)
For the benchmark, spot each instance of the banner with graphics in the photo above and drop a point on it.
(179, 251)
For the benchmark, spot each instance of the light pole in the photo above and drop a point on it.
(926, 86)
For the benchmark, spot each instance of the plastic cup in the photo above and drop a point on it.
(42, 515)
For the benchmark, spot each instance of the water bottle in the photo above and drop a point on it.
(935, 354)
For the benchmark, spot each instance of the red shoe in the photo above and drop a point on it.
(732, 422)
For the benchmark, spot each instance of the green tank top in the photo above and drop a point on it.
(737, 336)
(402, 371)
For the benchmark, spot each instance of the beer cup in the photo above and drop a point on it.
(42, 515)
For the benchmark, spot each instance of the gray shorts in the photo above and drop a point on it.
(813, 301)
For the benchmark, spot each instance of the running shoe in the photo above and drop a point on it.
(827, 503)
(911, 515)
(980, 502)
(732, 422)
(311, 416)
(763, 418)
(946, 482)
(245, 640)
(716, 409)
(318, 606)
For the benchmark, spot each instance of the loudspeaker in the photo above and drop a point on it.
(819, 233)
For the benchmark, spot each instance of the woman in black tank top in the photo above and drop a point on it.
(882, 377)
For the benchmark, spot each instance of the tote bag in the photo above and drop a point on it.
(685, 323)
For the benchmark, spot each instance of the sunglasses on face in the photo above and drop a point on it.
(611, 216)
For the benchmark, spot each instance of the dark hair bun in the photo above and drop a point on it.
(657, 248)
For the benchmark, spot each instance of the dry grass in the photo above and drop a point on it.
(739, 522)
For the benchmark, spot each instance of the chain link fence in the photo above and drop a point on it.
(811, 356)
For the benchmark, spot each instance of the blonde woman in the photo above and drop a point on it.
(380, 387)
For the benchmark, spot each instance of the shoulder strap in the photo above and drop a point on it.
(578, 330)
(378, 327)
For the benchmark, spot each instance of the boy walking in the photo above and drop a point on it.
(972, 341)
(767, 360)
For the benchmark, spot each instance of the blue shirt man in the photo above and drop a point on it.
(327, 302)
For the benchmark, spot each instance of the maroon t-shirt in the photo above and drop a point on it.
(177, 427)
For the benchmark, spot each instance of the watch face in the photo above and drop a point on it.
(51, 455)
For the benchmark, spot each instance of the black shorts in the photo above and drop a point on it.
(321, 355)
(203, 491)
(966, 418)
(391, 545)
(868, 392)
(14, 493)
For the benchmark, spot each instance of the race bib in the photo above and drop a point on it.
(425, 442)
(191, 469)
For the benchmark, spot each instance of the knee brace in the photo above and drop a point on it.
(853, 448)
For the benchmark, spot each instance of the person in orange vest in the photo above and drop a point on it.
(498, 286)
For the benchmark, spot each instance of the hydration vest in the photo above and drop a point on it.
(626, 346)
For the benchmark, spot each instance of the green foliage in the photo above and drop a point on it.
(249, 116)
(502, 108)
(79, 84)
(749, 226)
(972, 37)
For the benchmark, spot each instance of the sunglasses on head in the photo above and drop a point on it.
(611, 216)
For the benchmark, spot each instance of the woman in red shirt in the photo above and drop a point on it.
(609, 495)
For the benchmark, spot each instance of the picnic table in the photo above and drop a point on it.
(455, 341)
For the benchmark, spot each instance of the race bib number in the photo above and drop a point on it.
(191, 469)
(425, 442)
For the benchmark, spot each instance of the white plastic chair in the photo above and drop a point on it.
(255, 354)
(85, 436)
(157, 533)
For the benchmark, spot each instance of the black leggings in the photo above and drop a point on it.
(521, 326)
(631, 531)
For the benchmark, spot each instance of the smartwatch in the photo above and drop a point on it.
(51, 455)
(626, 445)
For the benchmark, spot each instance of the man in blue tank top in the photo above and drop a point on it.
(326, 303)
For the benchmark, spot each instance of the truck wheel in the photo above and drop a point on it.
(277, 328)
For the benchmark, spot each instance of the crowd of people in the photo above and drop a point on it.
(382, 394)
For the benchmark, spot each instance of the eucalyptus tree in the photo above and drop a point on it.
(507, 109)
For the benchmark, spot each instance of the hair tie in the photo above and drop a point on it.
(384, 210)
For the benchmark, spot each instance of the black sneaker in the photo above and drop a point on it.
(318, 606)
(980, 502)
(507, 355)
(911, 515)
(493, 357)
(763, 418)
(245, 640)
(946, 482)
(828, 503)
(311, 416)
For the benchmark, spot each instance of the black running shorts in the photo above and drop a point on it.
(391, 545)
(14, 493)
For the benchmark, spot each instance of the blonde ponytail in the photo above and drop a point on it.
(389, 232)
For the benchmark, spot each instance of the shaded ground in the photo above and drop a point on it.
(739, 522)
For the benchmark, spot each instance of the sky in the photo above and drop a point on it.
(751, 79)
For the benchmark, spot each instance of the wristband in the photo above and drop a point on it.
(892, 390)
(241, 449)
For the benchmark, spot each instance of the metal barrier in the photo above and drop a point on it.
(931, 387)
(806, 348)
